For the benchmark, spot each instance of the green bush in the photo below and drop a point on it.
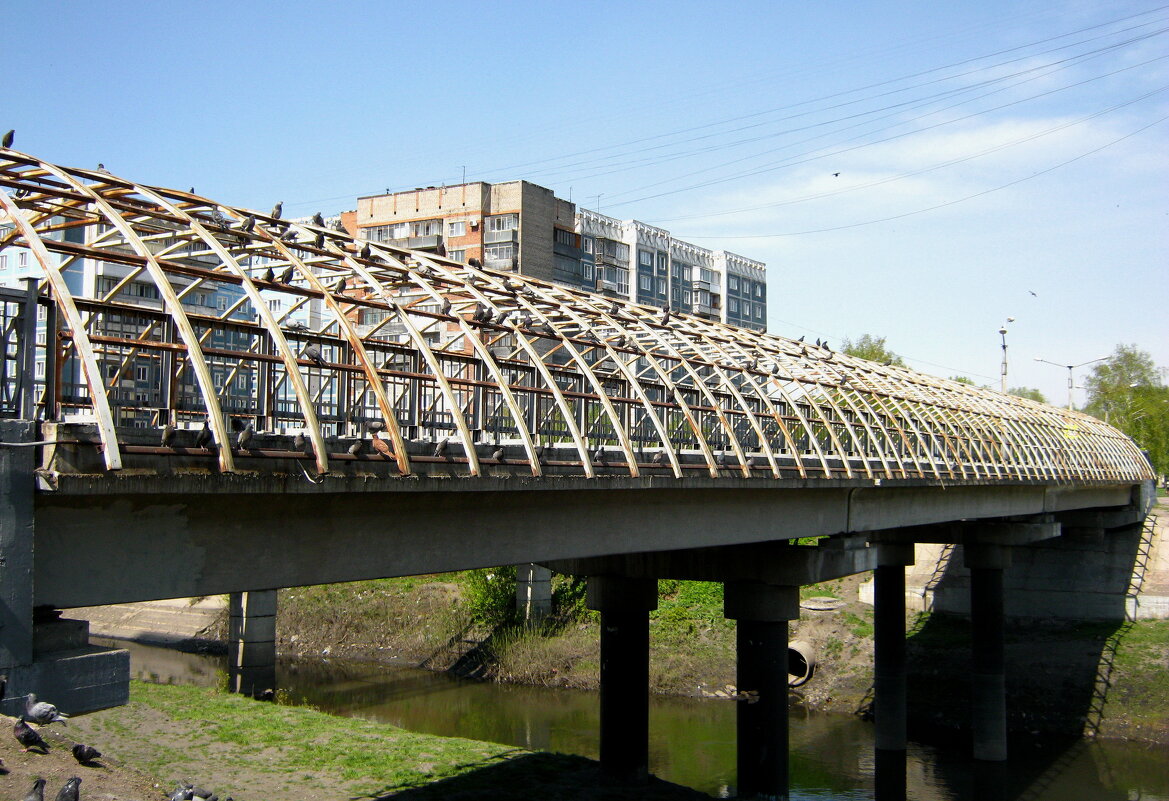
(489, 596)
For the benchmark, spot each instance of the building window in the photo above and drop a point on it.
(587, 243)
(503, 222)
(645, 282)
(504, 252)
(564, 237)
(40, 370)
(221, 303)
(662, 287)
(645, 258)
(426, 228)
(457, 228)
(457, 255)
(142, 373)
(586, 270)
(663, 262)
(274, 304)
(4, 262)
(733, 306)
(759, 291)
(22, 259)
(733, 283)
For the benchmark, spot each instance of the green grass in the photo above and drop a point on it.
(293, 740)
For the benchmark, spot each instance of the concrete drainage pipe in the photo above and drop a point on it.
(801, 662)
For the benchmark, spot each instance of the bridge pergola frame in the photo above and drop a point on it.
(442, 352)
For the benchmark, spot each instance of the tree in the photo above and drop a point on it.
(1126, 391)
(871, 348)
(1027, 392)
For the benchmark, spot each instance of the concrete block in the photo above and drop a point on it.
(82, 680)
(743, 600)
(253, 629)
(64, 634)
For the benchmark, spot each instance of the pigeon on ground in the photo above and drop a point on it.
(37, 793)
(314, 354)
(205, 437)
(70, 791)
(85, 753)
(28, 737)
(41, 712)
(244, 440)
(184, 792)
(168, 435)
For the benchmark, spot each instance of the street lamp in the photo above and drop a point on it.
(1003, 371)
(1071, 367)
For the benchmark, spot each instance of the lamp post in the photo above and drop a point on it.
(1003, 370)
(1071, 367)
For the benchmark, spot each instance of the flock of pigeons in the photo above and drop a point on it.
(43, 713)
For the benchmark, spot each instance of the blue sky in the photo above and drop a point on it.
(986, 151)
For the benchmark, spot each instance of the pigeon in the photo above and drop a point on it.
(659, 457)
(374, 426)
(85, 753)
(313, 353)
(184, 792)
(37, 793)
(318, 220)
(478, 315)
(665, 315)
(365, 251)
(801, 339)
(41, 712)
(204, 438)
(168, 435)
(751, 463)
(298, 442)
(102, 169)
(382, 447)
(503, 317)
(248, 224)
(340, 286)
(286, 276)
(356, 448)
(244, 440)
(339, 227)
(615, 310)
(289, 235)
(721, 459)
(474, 262)
(270, 275)
(487, 315)
(440, 447)
(319, 241)
(446, 307)
(8, 138)
(497, 455)
(277, 210)
(27, 736)
(599, 456)
(69, 792)
(297, 327)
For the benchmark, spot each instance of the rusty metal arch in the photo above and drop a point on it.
(859, 421)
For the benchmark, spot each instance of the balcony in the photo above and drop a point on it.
(496, 237)
(424, 242)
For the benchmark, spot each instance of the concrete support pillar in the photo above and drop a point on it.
(252, 642)
(761, 639)
(889, 645)
(533, 593)
(16, 544)
(988, 680)
(624, 605)
(889, 780)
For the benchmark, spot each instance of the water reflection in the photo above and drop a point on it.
(692, 740)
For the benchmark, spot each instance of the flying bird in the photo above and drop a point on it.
(8, 138)
(277, 210)
(37, 793)
(835, 175)
(1033, 294)
(244, 440)
(28, 737)
(85, 753)
(313, 353)
(71, 790)
(204, 438)
(168, 435)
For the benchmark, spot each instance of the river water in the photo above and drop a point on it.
(692, 741)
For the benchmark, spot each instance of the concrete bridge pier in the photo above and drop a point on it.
(889, 701)
(762, 612)
(624, 604)
(252, 642)
(988, 680)
(533, 593)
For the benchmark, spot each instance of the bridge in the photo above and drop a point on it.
(203, 399)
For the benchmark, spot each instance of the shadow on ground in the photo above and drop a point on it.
(528, 776)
